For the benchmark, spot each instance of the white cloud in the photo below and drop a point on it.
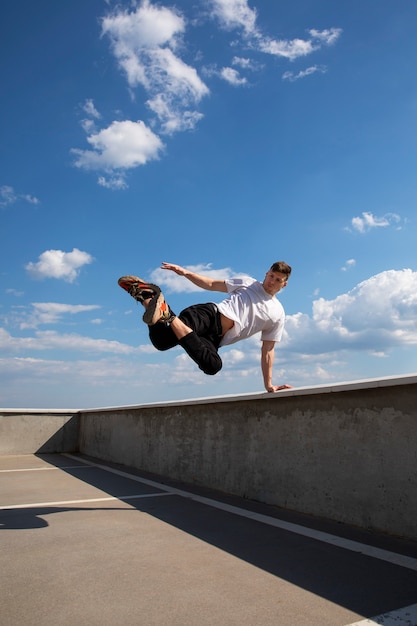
(328, 36)
(89, 124)
(234, 356)
(179, 284)
(29, 198)
(173, 120)
(9, 196)
(104, 380)
(369, 221)
(15, 292)
(144, 43)
(122, 145)
(113, 182)
(148, 27)
(235, 14)
(90, 109)
(303, 73)
(244, 63)
(52, 312)
(59, 264)
(292, 49)
(232, 76)
(51, 340)
(349, 263)
(289, 49)
(378, 314)
(229, 73)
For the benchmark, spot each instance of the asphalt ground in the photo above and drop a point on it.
(89, 543)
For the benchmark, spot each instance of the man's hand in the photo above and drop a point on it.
(174, 268)
(273, 388)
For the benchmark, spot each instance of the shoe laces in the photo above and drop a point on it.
(140, 294)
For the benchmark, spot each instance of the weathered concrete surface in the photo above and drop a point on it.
(346, 453)
(27, 431)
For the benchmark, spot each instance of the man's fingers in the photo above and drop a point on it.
(279, 388)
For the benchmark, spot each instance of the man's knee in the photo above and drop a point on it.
(212, 368)
(203, 352)
(161, 348)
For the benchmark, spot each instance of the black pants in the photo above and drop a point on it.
(202, 344)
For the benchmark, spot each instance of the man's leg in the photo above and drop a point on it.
(162, 337)
(146, 293)
(203, 352)
(197, 329)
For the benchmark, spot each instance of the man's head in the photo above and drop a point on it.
(276, 277)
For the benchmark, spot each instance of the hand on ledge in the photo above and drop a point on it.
(273, 388)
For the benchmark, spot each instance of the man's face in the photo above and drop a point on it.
(274, 282)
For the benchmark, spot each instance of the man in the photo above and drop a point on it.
(201, 329)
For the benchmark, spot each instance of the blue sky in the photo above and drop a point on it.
(221, 135)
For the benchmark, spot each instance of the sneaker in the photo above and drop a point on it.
(139, 289)
(158, 311)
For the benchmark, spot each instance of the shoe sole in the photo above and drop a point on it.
(125, 282)
(153, 313)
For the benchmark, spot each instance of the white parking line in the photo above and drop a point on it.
(34, 505)
(42, 469)
(339, 542)
(402, 617)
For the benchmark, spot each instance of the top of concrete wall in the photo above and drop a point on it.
(295, 391)
(388, 381)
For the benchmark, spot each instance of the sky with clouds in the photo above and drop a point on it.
(222, 135)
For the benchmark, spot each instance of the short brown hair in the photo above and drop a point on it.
(281, 267)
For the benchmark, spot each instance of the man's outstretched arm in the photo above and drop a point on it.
(267, 362)
(205, 282)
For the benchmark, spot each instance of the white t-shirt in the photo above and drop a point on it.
(253, 310)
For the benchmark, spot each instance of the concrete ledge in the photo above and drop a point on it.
(263, 395)
(344, 452)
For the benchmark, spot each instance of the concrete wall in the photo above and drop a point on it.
(28, 431)
(346, 453)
